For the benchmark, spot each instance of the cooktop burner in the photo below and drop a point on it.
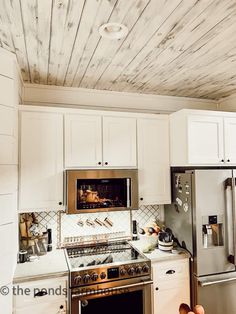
(102, 254)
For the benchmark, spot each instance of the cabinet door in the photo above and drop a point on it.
(169, 295)
(83, 140)
(153, 161)
(56, 307)
(230, 140)
(41, 161)
(119, 142)
(171, 286)
(205, 140)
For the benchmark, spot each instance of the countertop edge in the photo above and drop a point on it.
(40, 277)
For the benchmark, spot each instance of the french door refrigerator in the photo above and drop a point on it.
(202, 217)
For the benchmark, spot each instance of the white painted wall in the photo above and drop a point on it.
(228, 103)
(108, 100)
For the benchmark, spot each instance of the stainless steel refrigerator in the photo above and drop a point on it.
(203, 219)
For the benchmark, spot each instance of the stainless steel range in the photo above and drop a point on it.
(110, 277)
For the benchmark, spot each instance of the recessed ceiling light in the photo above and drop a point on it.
(113, 31)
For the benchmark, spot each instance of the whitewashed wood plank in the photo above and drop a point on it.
(59, 13)
(72, 24)
(183, 13)
(5, 35)
(148, 22)
(91, 47)
(208, 58)
(30, 21)
(197, 28)
(125, 12)
(87, 19)
(12, 13)
(44, 8)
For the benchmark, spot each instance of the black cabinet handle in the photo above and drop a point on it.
(40, 293)
(141, 198)
(157, 288)
(61, 307)
(99, 163)
(106, 163)
(228, 160)
(60, 203)
(222, 160)
(170, 272)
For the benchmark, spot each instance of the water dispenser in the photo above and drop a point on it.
(212, 231)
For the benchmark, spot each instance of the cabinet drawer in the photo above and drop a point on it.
(55, 289)
(171, 270)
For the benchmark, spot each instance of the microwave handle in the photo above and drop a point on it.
(128, 192)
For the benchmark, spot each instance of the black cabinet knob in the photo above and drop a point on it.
(228, 160)
(99, 163)
(141, 198)
(60, 203)
(157, 288)
(106, 163)
(222, 160)
(61, 307)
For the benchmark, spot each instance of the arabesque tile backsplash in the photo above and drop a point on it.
(64, 226)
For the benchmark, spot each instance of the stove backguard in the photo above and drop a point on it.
(101, 190)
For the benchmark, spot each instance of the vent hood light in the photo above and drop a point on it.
(113, 31)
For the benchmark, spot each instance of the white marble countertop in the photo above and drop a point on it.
(158, 256)
(53, 264)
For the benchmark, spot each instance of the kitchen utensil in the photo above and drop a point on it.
(22, 256)
(49, 248)
(108, 222)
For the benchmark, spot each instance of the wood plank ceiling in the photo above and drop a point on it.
(174, 47)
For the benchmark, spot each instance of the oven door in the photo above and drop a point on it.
(132, 298)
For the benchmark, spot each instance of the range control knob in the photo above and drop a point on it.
(103, 275)
(123, 271)
(77, 280)
(94, 276)
(131, 271)
(145, 268)
(86, 278)
(138, 270)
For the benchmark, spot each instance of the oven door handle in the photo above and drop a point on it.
(143, 283)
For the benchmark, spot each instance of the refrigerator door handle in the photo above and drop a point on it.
(215, 282)
(230, 227)
(234, 216)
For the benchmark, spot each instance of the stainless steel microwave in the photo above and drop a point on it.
(101, 190)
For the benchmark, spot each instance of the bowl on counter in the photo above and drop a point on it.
(148, 242)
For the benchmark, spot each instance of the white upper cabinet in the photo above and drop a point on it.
(153, 160)
(230, 140)
(119, 142)
(83, 140)
(204, 138)
(99, 141)
(41, 161)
